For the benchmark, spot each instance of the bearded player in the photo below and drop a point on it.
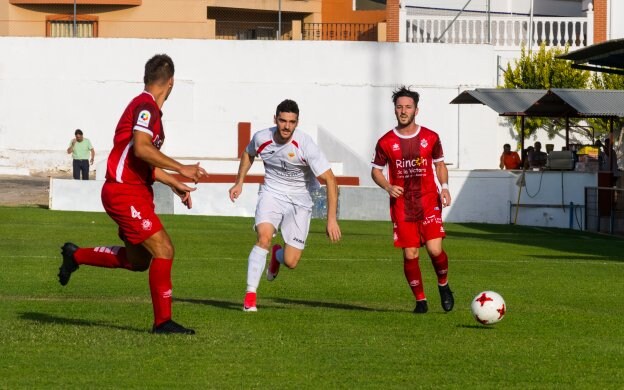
(292, 164)
(412, 153)
(134, 163)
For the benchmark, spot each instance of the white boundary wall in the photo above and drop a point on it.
(478, 196)
(49, 87)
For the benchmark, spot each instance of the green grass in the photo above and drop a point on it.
(342, 319)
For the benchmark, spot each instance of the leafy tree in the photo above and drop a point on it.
(542, 70)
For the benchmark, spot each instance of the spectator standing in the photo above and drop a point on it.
(537, 159)
(82, 154)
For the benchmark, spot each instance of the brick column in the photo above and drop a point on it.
(600, 21)
(392, 20)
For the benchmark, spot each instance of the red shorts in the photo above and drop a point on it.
(132, 208)
(416, 234)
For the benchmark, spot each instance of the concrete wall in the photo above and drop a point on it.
(477, 196)
(49, 87)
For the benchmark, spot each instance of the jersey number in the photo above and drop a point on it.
(135, 213)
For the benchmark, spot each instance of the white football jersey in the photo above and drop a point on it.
(291, 169)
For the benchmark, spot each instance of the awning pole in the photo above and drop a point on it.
(567, 133)
(522, 154)
(611, 145)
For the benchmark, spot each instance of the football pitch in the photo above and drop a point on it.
(342, 319)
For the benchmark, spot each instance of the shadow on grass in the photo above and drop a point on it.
(326, 305)
(280, 303)
(479, 327)
(43, 318)
(577, 244)
(213, 302)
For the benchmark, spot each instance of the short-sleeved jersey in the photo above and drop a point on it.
(291, 169)
(410, 162)
(142, 114)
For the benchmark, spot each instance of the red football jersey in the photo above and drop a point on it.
(410, 165)
(142, 114)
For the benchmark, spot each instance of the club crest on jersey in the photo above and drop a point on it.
(291, 155)
(146, 224)
(423, 143)
(144, 118)
(395, 147)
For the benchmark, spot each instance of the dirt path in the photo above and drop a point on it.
(31, 190)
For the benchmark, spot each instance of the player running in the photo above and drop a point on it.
(292, 164)
(134, 163)
(411, 152)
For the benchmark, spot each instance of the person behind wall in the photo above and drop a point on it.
(603, 162)
(537, 159)
(509, 159)
(610, 156)
(82, 154)
(527, 155)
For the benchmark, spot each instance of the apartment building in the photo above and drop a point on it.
(201, 19)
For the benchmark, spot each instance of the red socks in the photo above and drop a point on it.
(160, 287)
(414, 277)
(440, 264)
(103, 256)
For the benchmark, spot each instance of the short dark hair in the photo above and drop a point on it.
(158, 69)
(404, 91)
(507, 146)
(78, 132)
(287, 106)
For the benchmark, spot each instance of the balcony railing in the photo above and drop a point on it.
(504, 32)
(251, 30)
(340, 31)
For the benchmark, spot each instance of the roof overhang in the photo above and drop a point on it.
(606, 57)
(554, 103)
(80, 2)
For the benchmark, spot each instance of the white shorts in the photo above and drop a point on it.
(291, 219)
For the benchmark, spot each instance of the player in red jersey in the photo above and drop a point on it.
(134, 163)
(412, 153)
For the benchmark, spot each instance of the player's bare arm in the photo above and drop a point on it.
(442, 175)
(146, 151)
(333, 230)
(379, 179)
(179, 188)
(245, 164)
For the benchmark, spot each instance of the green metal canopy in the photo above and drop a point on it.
(553, 103)
(556, 102)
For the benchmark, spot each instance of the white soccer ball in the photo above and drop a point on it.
(488, 307)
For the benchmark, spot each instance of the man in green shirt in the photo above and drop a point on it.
(80, 149)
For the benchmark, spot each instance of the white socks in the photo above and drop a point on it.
(255, 267)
